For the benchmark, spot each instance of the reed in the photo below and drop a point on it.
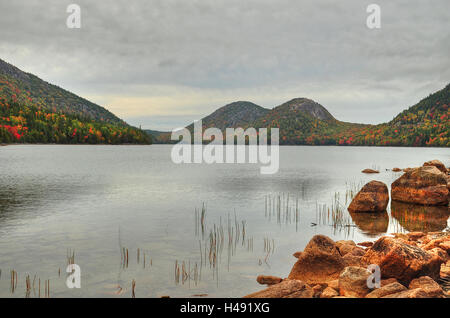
(70, 256)
(124, 257)
(14, 280)
(34, 281)
(351, 189)
(200, 220)
(27, 286)
(334, 215)
(185, 273)
(133, 289)
(283, 207)
(46, 288)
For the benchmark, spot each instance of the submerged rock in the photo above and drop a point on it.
(268, 280)
(424, 185)
(286, 289)
(373, 197)
(402, 261)
(320, 262)
(370, 171)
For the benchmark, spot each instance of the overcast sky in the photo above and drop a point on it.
(161, 64)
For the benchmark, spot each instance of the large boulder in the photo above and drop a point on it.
(437, 164)
(320, 261)
(402, 261)
(388, 289)
(441, 253)
(410, 293)
(373, 197)
(345, 246)
(353, 282)
(424, 185)
(445, 271)
(353, 258)
(286, 289)
(428, 285)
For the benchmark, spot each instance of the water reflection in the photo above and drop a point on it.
(414, 217)
(371, 224)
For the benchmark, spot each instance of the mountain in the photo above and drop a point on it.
(299, 120)
(18, 85)
(237, 114)
(307, 107)
(33, 111)
(305, 122)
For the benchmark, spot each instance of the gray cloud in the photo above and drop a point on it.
(185, 58)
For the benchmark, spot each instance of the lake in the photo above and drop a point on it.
(201, 230)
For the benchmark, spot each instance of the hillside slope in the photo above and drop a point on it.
(23, 87)
(33, 111)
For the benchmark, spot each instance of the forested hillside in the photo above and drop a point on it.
(19, 86)
(32, 111)
(21, 123)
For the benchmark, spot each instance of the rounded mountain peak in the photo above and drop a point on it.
(309, 107)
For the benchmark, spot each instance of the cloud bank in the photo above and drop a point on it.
(162, 63)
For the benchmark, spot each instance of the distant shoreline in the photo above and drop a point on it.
(154, 144)
(55, 144)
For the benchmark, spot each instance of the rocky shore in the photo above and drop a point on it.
(412, 265)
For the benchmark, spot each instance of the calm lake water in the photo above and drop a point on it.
(97, 201)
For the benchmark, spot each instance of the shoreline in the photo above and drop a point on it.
(413, 265)
(169, 144)
(54, 144)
